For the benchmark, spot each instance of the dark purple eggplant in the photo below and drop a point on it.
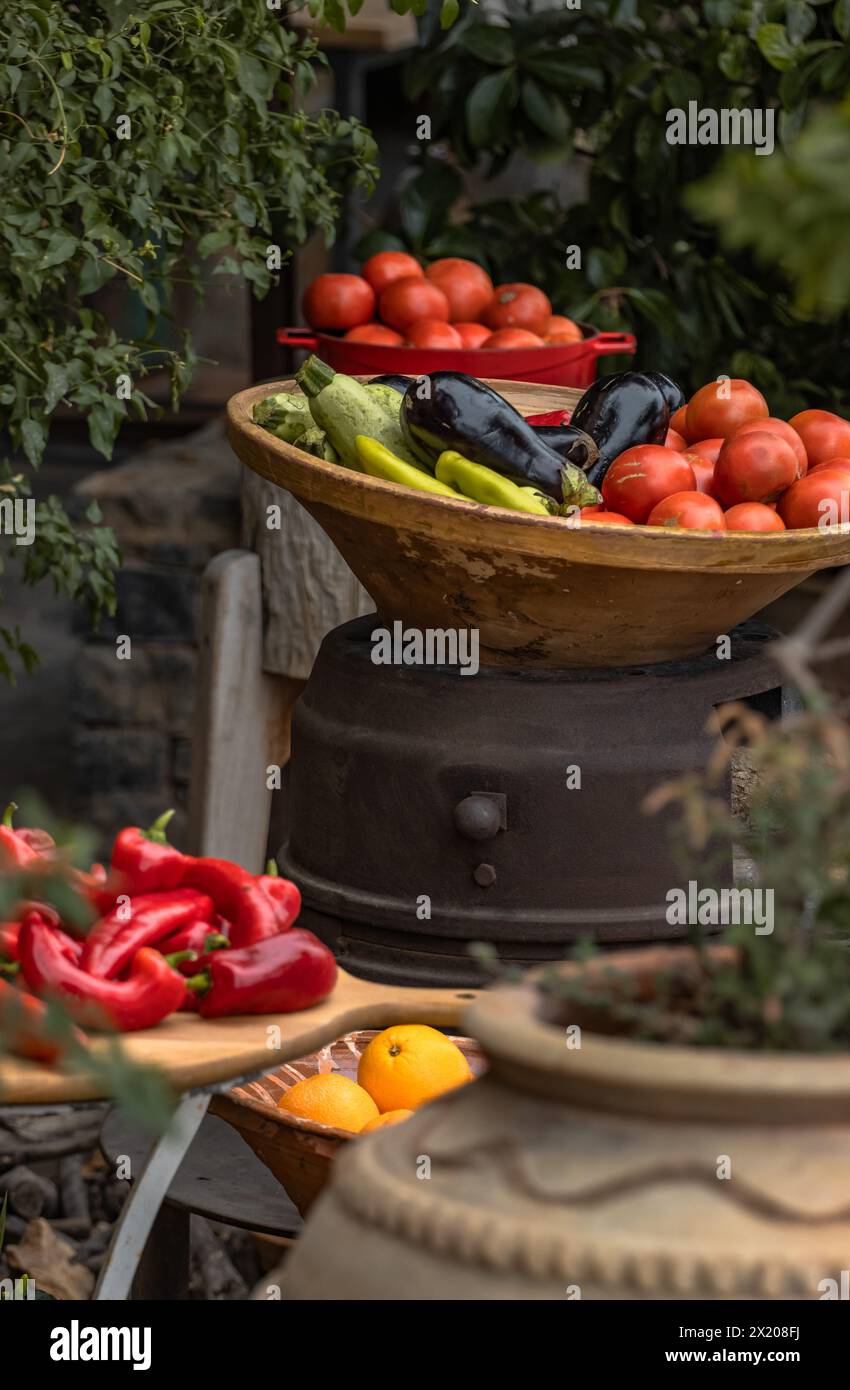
(398, 383)
(563, 439)
(450, 410)
(673, 394)
(619, 412)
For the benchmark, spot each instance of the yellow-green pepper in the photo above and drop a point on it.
(486, 485)
(380, 462)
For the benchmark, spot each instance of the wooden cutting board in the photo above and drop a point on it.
(195, 1052)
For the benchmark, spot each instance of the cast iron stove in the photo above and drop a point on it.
(430, 810)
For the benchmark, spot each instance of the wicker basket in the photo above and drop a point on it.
(300, 1152)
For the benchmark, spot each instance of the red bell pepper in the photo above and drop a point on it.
(22, 848)
(197, 937)
(145, 861)
(283, 892)
(550, 417)
(9, 932)
(189, 950)
(238, 896)
(152, 991)
(284, 973)
(114, 940)
(99, 888)
(23, 1026)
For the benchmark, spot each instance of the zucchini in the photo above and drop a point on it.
(344, 408)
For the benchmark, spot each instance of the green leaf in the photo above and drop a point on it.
(487, 102)
(61, 246)
(104, 423)
(546, 110)
(449, 11)
(490, 42)
(57, 385)
(33, 440)
(774, 45)
(800, 20)
(841, 18)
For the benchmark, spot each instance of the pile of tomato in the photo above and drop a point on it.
(451, 303)
(727, 464)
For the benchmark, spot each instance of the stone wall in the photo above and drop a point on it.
(173, 506)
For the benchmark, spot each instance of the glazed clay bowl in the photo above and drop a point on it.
(301, 1152)
(536, 590)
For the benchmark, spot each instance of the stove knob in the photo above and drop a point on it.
(478, 817)
(484, 875)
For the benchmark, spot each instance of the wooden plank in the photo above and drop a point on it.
(229, 799)
(194, 1052)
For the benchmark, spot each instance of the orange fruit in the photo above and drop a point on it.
(390, 1117)
(409, 1064)
(331, 1099)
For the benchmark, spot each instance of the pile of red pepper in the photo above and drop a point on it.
(173, 932)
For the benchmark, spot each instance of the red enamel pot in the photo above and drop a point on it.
(562, 364)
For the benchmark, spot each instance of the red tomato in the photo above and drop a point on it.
(693, 511)
(678, 421)
(433, 333)
(466, 286)
(784, 430)
(472, 335)
(386, 266)
(518, 306)
(376, 333)
(708, 448)
(753, 516)
(411, 298)
(513, 338)
(820, 499)
(824, 435)
(674, 440)
(721, 406)
(338, 301)
(754, 467)
(639, 478)
(703, 470)
(843, 465)
(560, 329)
(600, 517)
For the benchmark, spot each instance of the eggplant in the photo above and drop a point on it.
(619, 412)
(673, 394)
(450, 410)
(398, 383)
(563, 438)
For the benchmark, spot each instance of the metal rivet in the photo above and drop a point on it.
(484, 875)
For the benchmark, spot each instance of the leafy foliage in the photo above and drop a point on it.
(597, 82)
(788, 990)
(142, 144)
(792, 211)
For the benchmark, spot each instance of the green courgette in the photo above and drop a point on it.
(344, 408)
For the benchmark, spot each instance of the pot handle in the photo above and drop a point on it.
(604, 344)
(303, 338)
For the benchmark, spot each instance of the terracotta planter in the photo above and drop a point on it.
(593, 1173)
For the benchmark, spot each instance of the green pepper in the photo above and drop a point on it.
(486, 485)
(380, 462)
